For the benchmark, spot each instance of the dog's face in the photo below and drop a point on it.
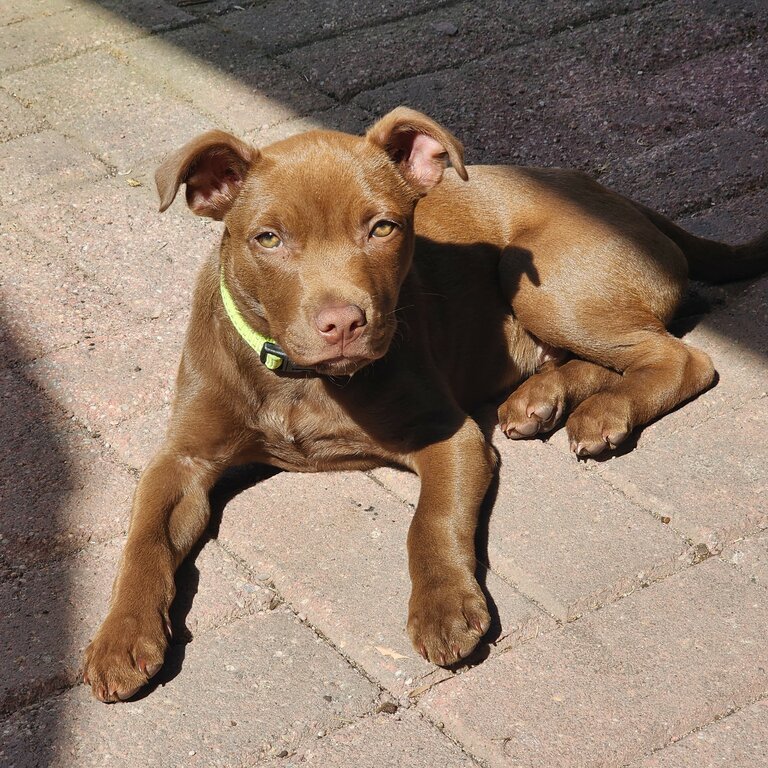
(319, 229)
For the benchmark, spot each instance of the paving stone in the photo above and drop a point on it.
(141, 16)
(121, 376)
(717, 85)
(566, 539)
(736, 338)
(14, 11)
(620, 682)
(15, 119)
(530, 21)
(750, 556)
(665, 33)
(739, 739)
(42, 163)
(224, 75)
(562, 101)
(346, 118)
(136, 440)
(383, 740)
(732, 221)
(335, 546)
(58, 490)
(113, 233)
(252, 688)
(51, 612)
(689, 475)
(756, 122)
(443, 38)
(283, 24)
(403, 485)
(120, 117)
(49, 304)
(85, 25)
(693, 171)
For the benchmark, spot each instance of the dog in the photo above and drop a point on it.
(365, 299)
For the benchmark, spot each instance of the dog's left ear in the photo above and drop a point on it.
(419, 146)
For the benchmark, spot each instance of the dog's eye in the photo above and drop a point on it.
(268, 240)
(383, 228)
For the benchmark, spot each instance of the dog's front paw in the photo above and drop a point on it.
(598, 423)
(125, 653)
(446, 621)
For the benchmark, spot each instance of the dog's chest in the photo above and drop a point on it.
(309, 434)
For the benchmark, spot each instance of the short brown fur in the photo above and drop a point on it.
(537, 279)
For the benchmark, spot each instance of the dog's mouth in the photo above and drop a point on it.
(340, 366)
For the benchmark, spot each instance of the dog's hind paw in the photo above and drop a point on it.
(598, 424)
(531, 409)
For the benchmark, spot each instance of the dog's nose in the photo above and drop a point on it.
(340, 323)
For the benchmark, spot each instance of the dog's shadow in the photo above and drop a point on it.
(232, 483)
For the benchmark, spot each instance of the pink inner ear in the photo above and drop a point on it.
(212, 185)
(427, 160)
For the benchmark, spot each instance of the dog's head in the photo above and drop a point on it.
(319, 228)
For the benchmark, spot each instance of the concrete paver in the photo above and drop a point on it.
(224, 75)
(58, 488)
(739, 739)
(726, 162)
(14, 11)
(689, 477)
(347, 118)
(383, 740)
(750, 556)
(115, 379)
(52, 612)
(414, 45)
(283, 24)
(123, 119)
(38, 163)
(83, 25)
(15, 119)
(253, 688)
(301, 531)
(567, 540)
(48, 303)
(620, 682)
(136, 439)
(113, 233)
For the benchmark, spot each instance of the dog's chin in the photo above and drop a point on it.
(341, 366)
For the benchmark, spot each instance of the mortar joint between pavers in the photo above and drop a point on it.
(734, 710)
(369, 474)
(440, 728)
(161, 29)
(299, 616)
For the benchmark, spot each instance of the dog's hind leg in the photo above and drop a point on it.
(540, 402)
(659, 372)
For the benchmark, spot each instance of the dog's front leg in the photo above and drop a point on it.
(447, 612)
(170, 512)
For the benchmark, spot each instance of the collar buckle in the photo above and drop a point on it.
(274, 358)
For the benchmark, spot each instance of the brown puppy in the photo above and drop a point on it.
(403, 318)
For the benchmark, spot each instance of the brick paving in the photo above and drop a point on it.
(630, 594)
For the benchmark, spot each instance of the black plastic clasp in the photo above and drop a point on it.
(286, 366)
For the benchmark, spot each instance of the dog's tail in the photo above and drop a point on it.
(710, 261)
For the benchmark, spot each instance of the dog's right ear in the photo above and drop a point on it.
(213, 166)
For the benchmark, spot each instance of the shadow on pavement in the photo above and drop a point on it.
(36, 478)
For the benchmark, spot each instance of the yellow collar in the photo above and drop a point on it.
(269, 351)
